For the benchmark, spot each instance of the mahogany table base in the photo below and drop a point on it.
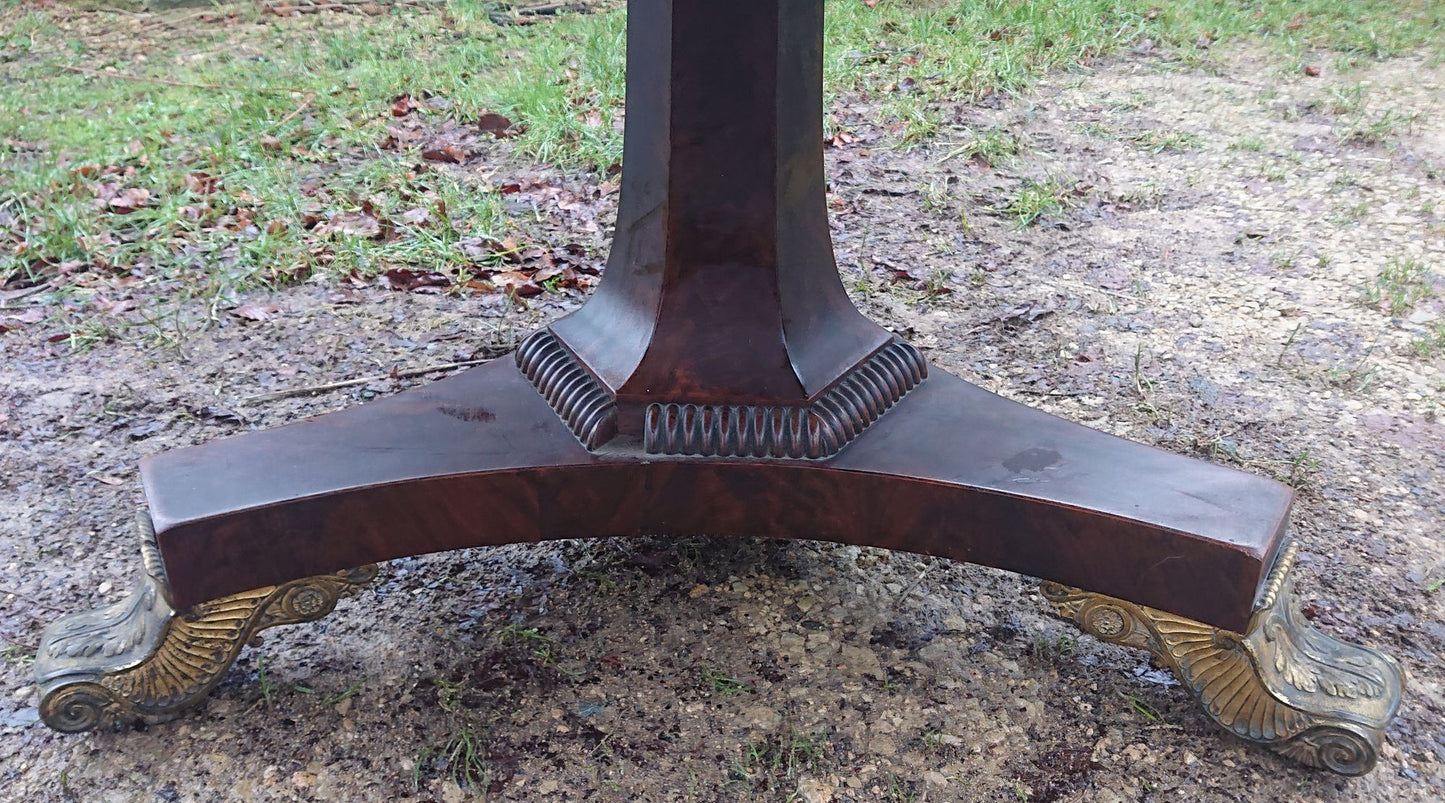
(720, 382)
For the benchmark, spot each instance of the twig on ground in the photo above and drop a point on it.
(289, 8)
(1084, 288)
(7, 639)
(176, 22)
(305, 104)
(918, 580)
(31, 600)
(540, 9)
(516, 15)
(314, 389)
(6, 296)
(186, 84)
(1060, 393)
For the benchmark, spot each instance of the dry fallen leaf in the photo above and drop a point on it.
(483, 248)
(114, 307)
(516, 283)
(450, 154)
(354, 224)
(495, 124)
(201, 183)
(403, 106)
(256, 311)
(29, 316)
(129, 200)
(404, 279)
(223, 414)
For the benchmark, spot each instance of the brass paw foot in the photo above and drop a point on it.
(1283, 684)
(140, 660)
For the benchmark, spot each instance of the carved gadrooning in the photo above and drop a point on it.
(581, 401)
(814, 431)
(140, 660)
(1284, 684)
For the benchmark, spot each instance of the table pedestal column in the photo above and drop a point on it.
(720, 382)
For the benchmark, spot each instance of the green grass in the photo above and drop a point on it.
(1151, 140)
(1359, 123)
(900, 790)
(1374, 129)
(538, 644)
(1430, 344)
(462, 756)
(1142, 708)
(1400, 285)
(267, 691)
(1253, 144)
(775, 763)
(1303, 469)
(1160, 141)
(236, 177)
(332, 699)
(1035, 200)
(963, 49)
(237, 138)
(992, 147)
(719, 682)
(1063, 647)
(26, 29)
(17, 654)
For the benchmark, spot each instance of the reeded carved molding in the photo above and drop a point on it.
(1284, 684)
(581, 401)
(818, 430)
(140, 660)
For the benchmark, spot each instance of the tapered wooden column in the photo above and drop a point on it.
(721, 288)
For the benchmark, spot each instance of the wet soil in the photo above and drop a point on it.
(1207, 294)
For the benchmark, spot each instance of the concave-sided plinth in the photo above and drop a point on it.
(720, 382)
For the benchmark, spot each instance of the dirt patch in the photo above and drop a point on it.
(1204, 285)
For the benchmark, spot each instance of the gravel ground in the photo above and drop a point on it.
(1203, 287)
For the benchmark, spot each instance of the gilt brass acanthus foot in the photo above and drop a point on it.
(140, 660)
(1283, 684)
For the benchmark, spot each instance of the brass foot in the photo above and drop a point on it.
(140, 660)
(1283, 684)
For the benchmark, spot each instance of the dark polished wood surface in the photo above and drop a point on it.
(722, 308)
(481, 459)
(721, 288)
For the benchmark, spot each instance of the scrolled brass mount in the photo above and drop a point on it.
(141, 660)
(1283, 684)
